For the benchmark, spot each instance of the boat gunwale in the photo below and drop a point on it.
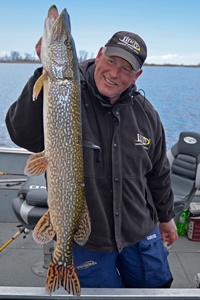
(14, 150)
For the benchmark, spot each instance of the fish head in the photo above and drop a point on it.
(58, 54)
(46, 38)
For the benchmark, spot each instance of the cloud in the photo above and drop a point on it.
(162, 56)
(193, 59)
(169, 56)
(4, 53)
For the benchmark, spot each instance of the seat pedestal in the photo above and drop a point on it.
(40, 268)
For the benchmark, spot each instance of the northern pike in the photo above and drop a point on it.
(68, 215)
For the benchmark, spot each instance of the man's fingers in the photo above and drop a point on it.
(163, 237)
(171, 238)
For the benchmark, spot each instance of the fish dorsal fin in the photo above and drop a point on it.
(84, 229)
(38, 85)
(36, 164)
(44, 231)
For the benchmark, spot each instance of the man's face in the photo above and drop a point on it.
(113, 75)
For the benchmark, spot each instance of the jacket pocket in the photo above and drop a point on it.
(153, 253)
(91, 156)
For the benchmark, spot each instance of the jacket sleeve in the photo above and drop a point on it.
(24, 119)
(158, 179)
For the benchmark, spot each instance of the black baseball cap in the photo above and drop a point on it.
(128, 46)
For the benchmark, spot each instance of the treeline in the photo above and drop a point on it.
(84, 55)
(16, 56)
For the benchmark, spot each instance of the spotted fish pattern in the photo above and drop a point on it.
(68, 215)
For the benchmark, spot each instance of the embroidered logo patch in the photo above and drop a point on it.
(86, 265)
(150, 237)
(131, 43)
(190, 140)
(141, 140)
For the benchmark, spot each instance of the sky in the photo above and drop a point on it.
(170, 28)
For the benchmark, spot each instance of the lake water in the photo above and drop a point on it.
(173, 91)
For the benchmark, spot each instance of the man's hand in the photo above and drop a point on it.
(38, 47)
(168, 232)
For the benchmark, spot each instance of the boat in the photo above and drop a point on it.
(24, 264)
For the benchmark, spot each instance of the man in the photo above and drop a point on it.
(127, 176)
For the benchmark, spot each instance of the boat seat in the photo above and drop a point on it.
(184, 158)
(31, 202)
(29, 206)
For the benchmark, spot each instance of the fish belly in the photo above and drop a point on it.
(63, 151)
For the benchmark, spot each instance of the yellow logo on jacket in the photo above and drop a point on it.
(141, 140)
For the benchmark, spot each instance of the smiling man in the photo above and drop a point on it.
(118, 64)
(113, 75)
(127, 174)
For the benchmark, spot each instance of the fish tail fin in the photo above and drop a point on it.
(65, 276)
(36, 164)
(44, 231)
(54, 278)
(38, 85)
(70, 280)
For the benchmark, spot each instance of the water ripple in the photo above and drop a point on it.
(175, 94)
(13, 78)
(173, 91)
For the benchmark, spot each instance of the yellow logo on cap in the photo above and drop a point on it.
(131, 42)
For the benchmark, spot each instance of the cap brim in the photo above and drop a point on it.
(114, 51)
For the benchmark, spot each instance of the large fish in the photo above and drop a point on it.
(67, 216)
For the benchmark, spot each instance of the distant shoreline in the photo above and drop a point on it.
(20, 61)
(150, 65)
(172, 65)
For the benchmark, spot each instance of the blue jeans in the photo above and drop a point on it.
(143, 265)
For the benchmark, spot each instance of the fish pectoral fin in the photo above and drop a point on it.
(44, 231)
(38, 85)
(84, 229)
(36, 164)
(65, 276)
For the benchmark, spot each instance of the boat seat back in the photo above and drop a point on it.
(31, 203)
(184, 158)
(34, 191)
(185, 165)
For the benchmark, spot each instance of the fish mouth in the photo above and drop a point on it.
(53, 13)
(60, 25)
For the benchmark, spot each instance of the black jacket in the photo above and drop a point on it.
(127, 176)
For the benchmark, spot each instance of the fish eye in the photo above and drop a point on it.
(66, 42)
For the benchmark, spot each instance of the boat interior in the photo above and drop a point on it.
(24, 264)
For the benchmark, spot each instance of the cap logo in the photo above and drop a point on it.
(130, 42)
